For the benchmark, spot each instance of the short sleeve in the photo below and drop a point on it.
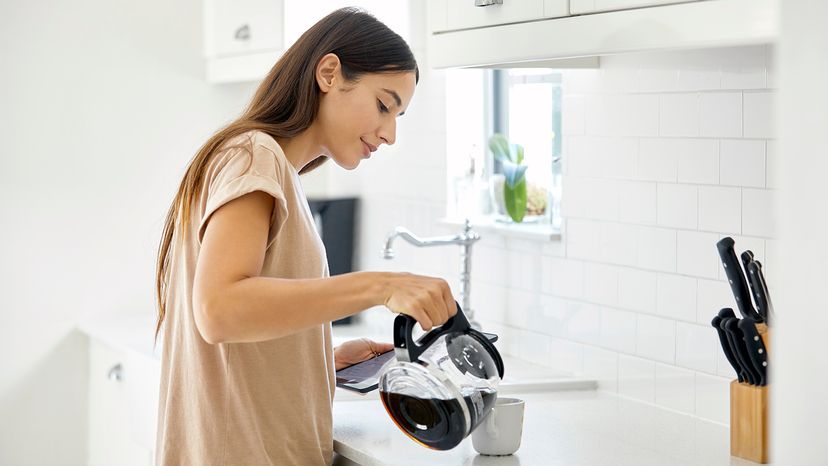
(242, 170)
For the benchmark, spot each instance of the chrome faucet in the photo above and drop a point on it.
(465, 240)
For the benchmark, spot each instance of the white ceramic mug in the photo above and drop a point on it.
(500, 433)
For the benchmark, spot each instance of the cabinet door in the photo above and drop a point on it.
(592, 6)
(242, 26)
(301, 14)
(463, 14)
(110, 440)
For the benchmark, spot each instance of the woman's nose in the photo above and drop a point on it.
(388, 131)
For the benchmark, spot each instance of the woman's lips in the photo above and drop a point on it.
(368, 148)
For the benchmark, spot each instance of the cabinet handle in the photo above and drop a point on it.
(487, 2)
(243, 32)
(116, 373)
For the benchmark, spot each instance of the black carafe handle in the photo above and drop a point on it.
(404, 341)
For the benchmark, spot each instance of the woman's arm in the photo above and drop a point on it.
(233, 303)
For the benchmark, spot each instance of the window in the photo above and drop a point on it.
(525, 106)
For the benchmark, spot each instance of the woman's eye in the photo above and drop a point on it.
(382, 107)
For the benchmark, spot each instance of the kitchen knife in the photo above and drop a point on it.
(759, 292)
(756, 349)
(728, 352)
(747, 373)
(760, 274)
(731, 326)
(736, 278)
(747, 258)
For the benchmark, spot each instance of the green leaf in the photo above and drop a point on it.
(513, 173)
(519, 155)
(499, 146)
(515, 200)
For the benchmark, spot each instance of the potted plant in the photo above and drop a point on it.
(514, 172)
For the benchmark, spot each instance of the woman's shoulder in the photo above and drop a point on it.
(259, 145)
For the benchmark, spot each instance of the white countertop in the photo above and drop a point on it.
(560, 428)
(567, 421)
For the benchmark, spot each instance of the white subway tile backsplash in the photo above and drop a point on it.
(721, 114)
(617, 243)
(675, 388)
(758, 114)
(712, 296)
(772, 161)
(564, 355)
(757, 213)
(637, 115)
(657, 161)
(679, 115)
(656, 249)
(742, 162)
(678, 205)
(574, 108)
(636, 378)
(582, 238)
(720, 209)
(695, 255)
(697, 347)
(618, 330)
(618, 157)
(655, 338)
(637, 202)
(637, 290)
(582, 323)
(603, 366)
(698, 160)
(601, 283)
(524, 271)
(677, 297)
(563, 277)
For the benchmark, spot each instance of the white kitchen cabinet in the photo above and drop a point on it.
(112, 437)
(594, 6)
(523, 38)
(243, 39)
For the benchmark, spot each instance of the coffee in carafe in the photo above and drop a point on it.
(443, 385)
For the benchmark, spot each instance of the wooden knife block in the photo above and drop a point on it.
(749, 415)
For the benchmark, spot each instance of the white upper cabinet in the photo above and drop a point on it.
(574, 33)
(592, 6)
(244, 38)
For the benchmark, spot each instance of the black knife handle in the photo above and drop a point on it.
(726, 347)
(760, 274)
(731, 326)
(756, 349)
(736, 278)
(759, 295)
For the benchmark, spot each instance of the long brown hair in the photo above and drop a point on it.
(286, 103)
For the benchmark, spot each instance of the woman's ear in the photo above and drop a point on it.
(328, 72)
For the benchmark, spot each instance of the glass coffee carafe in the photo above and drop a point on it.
(443, 385)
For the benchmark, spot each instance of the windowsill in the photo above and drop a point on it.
(529, 231)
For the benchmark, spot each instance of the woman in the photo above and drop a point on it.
(242, 282)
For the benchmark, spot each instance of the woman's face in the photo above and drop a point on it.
(356, 118)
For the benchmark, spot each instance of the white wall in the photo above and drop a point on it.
(799, 406)
(102, 103)
(665, 153)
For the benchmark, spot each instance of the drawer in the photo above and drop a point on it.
(593, 6)
(248, 26)
(463, 14)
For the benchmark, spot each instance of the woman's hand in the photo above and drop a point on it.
(354, 351)
(426, 299)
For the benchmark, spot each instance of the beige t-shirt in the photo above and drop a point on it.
(266, 403)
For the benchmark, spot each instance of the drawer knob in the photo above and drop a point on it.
(487, 2)
(243, 32)
(116, 373)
